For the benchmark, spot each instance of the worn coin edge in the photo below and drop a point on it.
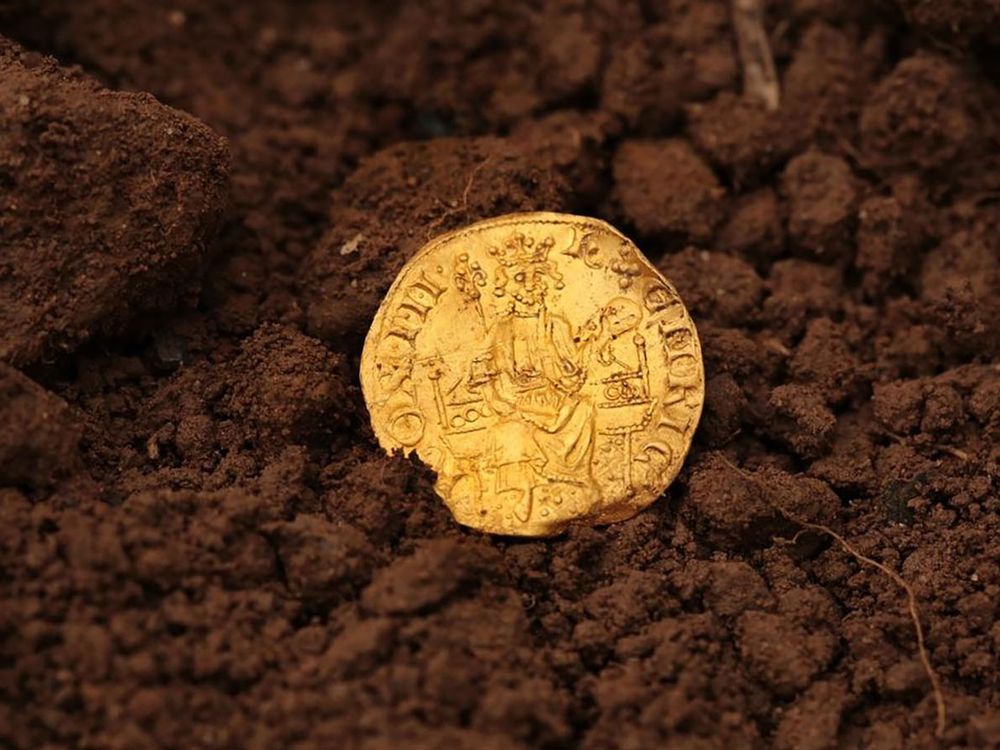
(374, 335)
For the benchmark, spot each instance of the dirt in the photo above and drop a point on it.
(111, 198)
(201, 545)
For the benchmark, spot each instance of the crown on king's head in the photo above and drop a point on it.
(520, 249)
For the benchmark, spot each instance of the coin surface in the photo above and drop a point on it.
(542, 367)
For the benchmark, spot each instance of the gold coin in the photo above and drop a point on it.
(542, 367)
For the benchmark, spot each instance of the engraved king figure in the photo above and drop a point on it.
(531, 376)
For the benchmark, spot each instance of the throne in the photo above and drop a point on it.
(628, 394)
(461, 408)
(628, 388)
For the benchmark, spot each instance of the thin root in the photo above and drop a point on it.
(464, 205)
(472, 178)
(911, 598)
(760, 81)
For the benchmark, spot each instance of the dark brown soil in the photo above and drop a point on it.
(109, 200)
(201, 545)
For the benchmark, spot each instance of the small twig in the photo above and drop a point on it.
(951, 450)
(956, 452)
(911, 597)
(895, 436)
(760, 81)
(777, 347)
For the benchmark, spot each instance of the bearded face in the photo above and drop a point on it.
(527, 289)
(525, 286)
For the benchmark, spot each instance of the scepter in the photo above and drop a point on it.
(469, 279)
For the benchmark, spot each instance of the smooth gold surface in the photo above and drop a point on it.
(542, 367)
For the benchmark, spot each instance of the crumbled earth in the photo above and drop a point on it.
(201, 544)
(108, 202)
